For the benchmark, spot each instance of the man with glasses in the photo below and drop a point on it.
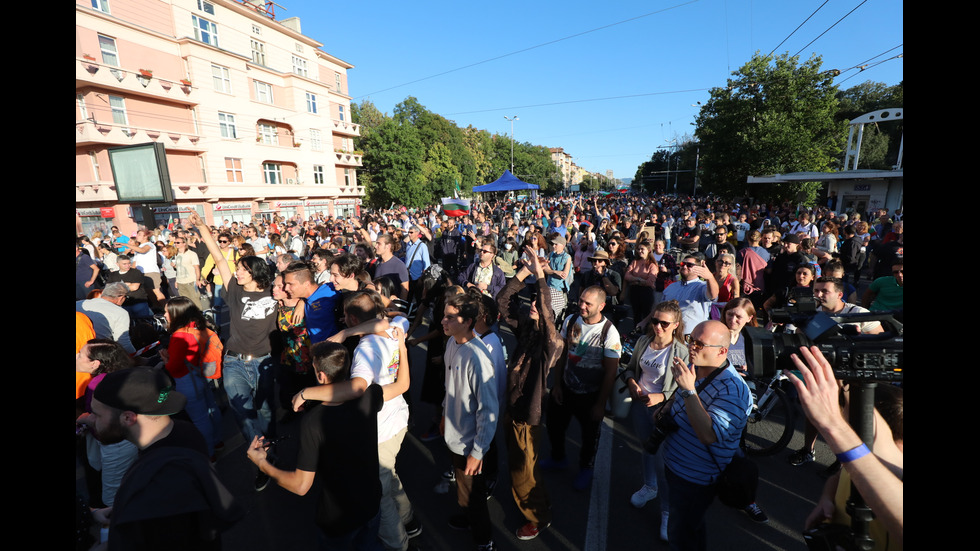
(416, 260)
(887, 293)
(188, 271)
(483, 273)
(719, 246)
(695, 291)
(710, 409)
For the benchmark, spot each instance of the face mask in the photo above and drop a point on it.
(507, 246)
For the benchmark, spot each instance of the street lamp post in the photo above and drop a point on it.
(512, 119)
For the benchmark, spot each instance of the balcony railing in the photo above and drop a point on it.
(348, 159)
(90, 132)
(346, 128)
(90, 73)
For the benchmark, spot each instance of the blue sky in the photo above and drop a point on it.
(668, 60)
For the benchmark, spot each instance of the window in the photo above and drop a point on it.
(227, 123)
(340, 112)
(336, 77)
(299, 48)
(268, 134)
(343, 144)
(315, 141)
(82, 111)
(299, 66)
(118, 106)
(205, 31)
(101, 5)
(204, 169)
(272, 173)
(258, 52)
(109, 54)
(222, 78)
(206, 7)
(347, 177)
(256, 29)
(318, 177)
(263, 92)
(233, 168)
(95, 166)
(311, 102)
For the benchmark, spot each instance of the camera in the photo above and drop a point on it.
(854, 356)
(664, 426)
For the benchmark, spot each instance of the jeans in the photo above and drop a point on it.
(250, 386)
(560, 416)
(201, 407)
(218, 302)
(139, 310)
(653, 465)
(686, 529)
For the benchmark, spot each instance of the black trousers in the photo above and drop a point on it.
(560, 415)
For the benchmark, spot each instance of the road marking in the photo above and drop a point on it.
(595, 532)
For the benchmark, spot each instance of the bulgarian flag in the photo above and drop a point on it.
(455, 206)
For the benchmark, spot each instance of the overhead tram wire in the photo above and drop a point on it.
(831, 27)
(575, 101)
(798, 28)
(869, 60)
(515, 52)
(866, 67)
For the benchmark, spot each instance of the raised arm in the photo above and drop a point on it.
(219, 259)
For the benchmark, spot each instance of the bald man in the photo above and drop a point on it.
(710, 407)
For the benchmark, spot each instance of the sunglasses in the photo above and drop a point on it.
(695, 344)
(664, 324)
(222, 241)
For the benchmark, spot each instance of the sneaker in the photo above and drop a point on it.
(552, 465)
(583, 480)
(663, 525)
(756, 513)
(261, 481)
(459, 522)
(642, 496)
(486, 547)
(413, 528)
(800, 457)
(529, 531)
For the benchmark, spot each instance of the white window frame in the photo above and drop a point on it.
(221, 76)
(311, 103)
(205, 31)
(82, 110)
(316, 142)
(258, 52)
(233, 170)
(336, 76)
(96, 169)
(101, 5)
(110, 53)
(272, 173)
(300, 67)
(256, 29)
(119, 109)
(319, 176)
(204, 169)
(226, 122)
(268, 134)
(347, 177)
(299, 48)
(340, 112)
(204, 6)
(263, 92)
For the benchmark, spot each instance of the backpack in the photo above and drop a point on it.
(209, 354)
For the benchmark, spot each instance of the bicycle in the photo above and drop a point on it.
(771, 420)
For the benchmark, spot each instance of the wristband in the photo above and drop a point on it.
(853, 453)
(301, 397)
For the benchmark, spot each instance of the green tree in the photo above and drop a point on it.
(774, 116)
(394, 166)
(880, 143)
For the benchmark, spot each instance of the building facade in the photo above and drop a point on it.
(254, 116)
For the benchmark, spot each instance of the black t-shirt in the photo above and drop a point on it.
(887, 255)
(690, 232)
(252, 318)
(340, 444)
(132, 276)
(784, 270)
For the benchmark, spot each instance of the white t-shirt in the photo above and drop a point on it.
(584, 371)
(653, 364)
(376, 360)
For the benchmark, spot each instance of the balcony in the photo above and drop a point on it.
(346, 158)
(91, 74)
(346, 128)
(90, 133)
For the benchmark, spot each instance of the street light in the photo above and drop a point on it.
(512, 140)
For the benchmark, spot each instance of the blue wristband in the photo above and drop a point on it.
(854, 453)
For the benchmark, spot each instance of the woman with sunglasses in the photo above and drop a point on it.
(729, 286)
(650, 382)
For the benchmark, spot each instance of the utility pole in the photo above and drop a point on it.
(512, 119)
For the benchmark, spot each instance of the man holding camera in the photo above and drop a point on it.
(710, 411)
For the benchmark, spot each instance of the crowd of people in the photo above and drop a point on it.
(311, 321)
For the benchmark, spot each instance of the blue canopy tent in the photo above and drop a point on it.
(507, 182)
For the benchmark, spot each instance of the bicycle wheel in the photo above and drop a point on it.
(769, 427)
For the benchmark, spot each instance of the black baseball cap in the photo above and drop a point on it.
(142, 390)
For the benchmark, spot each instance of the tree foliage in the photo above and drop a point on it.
(879, 147)
(774, 116)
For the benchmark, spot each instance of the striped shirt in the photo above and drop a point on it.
(727, 401)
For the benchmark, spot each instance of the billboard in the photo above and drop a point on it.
(141, 174)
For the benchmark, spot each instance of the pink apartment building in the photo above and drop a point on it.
(254, 116)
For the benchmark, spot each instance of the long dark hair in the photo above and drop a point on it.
(258, 268)
(182, 313)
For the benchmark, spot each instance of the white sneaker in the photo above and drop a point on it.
(663, 525)
(642, 496)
